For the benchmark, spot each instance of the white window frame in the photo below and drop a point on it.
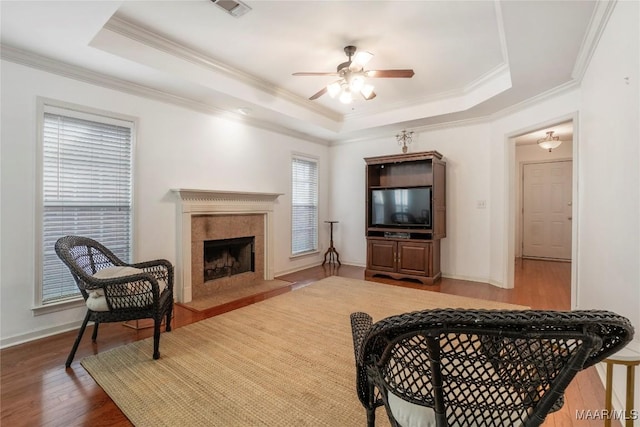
(82, 112)
(315, 160)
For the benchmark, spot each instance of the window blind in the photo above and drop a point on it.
(86, 190)
(304, 210)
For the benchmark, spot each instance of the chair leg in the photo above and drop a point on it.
(371, 417)
(156, 337)
(78, 338)
(169, 314)
(94, 336)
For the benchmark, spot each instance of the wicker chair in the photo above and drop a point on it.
(115, 291)
(451, 367)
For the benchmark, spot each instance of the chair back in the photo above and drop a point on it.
(84, 257)
(479, 367)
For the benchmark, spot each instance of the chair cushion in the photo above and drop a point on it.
(97, 300)
(409, 414)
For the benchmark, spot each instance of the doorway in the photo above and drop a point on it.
(523, 149)
(546, 210)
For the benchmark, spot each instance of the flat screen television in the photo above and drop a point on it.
(401, 207)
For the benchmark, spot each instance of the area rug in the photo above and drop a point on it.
(285, 361)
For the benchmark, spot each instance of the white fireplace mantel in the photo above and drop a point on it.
(213, 202)
(194, 196)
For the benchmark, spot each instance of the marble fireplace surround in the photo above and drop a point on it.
(194, 203)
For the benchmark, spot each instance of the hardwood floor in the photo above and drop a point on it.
(36, 390)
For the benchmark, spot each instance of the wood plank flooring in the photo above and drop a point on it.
(36, 390)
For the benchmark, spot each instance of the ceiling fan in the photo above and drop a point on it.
(352, 77)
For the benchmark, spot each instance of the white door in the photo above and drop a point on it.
(547, 193)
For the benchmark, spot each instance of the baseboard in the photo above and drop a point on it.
(296, 269)
(311, 265)
(36, 335)
(475, 279)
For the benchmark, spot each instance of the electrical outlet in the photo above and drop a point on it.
(481, 204)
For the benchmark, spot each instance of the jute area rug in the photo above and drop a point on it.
(286, 361)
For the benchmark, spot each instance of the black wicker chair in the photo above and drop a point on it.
(454, 367)
(116, 291)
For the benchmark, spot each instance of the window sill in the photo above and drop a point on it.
(58, 306)
(304, 254)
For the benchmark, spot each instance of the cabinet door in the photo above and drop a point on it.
(413, 258)
(381, 255)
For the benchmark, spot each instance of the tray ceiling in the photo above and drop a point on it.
(471, 59)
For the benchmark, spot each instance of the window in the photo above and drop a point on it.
(304, 205)
(86, 190)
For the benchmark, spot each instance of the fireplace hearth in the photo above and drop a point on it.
(228, 257)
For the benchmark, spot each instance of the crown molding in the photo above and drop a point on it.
(142, 35)
(423, 128)
(49, 65)
(551, 93)
(529, 102)
(599, 18)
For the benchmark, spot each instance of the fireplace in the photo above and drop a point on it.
(206, 215)
(228, 257)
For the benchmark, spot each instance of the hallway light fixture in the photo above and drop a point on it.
(404, 138)
(549, 142)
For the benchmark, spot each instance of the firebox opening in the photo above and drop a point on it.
(227, 257)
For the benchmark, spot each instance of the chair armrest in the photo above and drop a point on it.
(160, 269)
(360, 326)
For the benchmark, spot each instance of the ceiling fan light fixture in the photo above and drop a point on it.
(549, 142)
(356, 84)
(367, 92)
(353, 77)
(360, 60)
(334, 89)
(346, 97)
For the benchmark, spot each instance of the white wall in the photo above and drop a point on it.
(175, 148)
(609, 271)
(609, 176)
(465, 149)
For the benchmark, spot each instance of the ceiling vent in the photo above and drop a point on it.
(233, 7)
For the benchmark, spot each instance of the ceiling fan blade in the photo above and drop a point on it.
(314, 74)
(318, 94)
(390, 73)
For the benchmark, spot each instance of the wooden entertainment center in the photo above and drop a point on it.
(405, 215)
